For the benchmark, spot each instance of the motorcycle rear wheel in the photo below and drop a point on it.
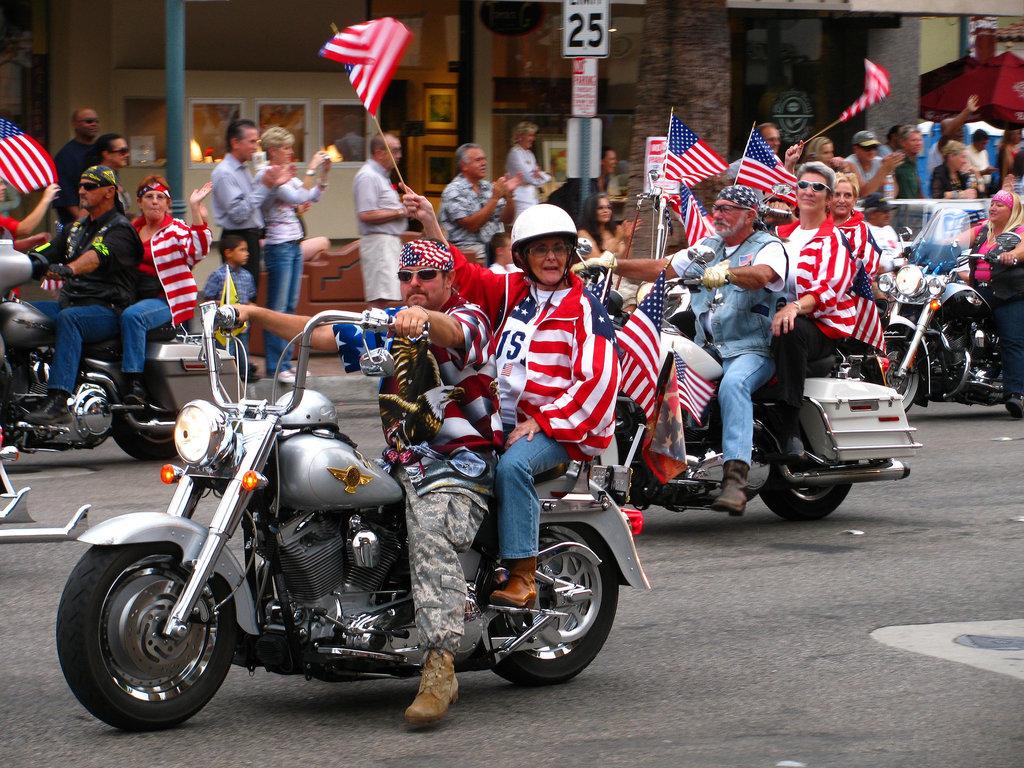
(807, 503)
(116, 664)
(142, 445)
(584, 632)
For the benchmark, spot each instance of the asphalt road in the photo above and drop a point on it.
(754, 648)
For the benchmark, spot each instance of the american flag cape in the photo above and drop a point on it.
(694, 390)
(640, 340)
(694, 216)
(688, 158)
(760, 167)
(876, 88)
(664, 446)
(371, 53)
(23, 162)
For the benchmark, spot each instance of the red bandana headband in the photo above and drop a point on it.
(155, 188)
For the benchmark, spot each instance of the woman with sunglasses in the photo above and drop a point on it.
(822, 311)
(111, 150)
(558, 374)
(165, 289)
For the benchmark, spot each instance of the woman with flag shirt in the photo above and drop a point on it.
(558, 374)
(166, 291)
(822, 310)
(851, 222)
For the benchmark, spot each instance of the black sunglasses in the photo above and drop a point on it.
(425, 275)
(817, 186)
(121, 151)
(88, 186)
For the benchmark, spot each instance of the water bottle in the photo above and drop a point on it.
(972, 180)
(889, 187)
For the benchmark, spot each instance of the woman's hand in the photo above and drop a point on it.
(526, 429)
(195, 201)
(785, 319)
(793, 155)
(50, 192)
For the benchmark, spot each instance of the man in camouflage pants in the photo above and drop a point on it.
(440, 419)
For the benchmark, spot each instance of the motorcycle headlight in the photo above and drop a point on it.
(201, 433)
(909, 280)
(886, 282)
(936, 285)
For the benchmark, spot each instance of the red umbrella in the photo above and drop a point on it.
(999, 84)
(942, 75)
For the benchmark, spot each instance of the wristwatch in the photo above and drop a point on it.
(310, 172)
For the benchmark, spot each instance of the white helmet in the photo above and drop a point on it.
(542, 220)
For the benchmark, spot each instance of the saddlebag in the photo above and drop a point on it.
(847, 420)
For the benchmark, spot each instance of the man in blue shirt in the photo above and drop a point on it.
(70, 162)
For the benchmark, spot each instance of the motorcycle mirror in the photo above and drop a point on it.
(905, 234)
(701, 254)
(1008, 241)
(584, 249)
(377, 362)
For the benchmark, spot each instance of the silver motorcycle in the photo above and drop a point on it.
(303, 569)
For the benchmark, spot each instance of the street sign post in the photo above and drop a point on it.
(585, 26)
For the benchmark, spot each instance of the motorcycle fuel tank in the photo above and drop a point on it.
(22, 326)
(320, 472)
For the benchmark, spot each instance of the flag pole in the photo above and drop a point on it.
(743, 157)
(833, 123)
(388, 147)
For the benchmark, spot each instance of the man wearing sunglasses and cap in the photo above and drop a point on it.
(744, 283)
(440, 420)
(97, 259)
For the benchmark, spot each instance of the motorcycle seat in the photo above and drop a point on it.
(818, 368)
(110, 349)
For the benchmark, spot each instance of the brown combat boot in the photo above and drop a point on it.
(521, 590)
(733, 498)
(438, 689)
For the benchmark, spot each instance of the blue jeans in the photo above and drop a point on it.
(75, 326)
(135, 321)
(518, 503)
(284, 276)
(743, 375)
(1010, 323)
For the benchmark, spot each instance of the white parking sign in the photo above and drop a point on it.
(585, 28)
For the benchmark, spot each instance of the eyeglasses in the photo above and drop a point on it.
(121, 151)
(720, 208)
(424, 275)
(817, 186)
(88, 186)
(559, 249)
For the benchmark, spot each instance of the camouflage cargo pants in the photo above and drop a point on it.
(441, 524)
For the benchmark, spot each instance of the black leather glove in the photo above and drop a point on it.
(40, 266)
(63, 271)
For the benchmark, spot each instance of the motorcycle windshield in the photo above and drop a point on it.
(943, 239)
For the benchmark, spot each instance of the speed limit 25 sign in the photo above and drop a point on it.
(585, 28)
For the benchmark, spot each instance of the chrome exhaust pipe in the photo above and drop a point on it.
(894, 470)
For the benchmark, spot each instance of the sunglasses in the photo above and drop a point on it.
(88, 186)
(719, 208)
(425, 275)
(121, 151)
(817, 186)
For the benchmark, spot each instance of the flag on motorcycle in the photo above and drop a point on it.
(23, 162)
(229, 295)
(664, 446)
(640, 339)
(693, 215)
(694, 390)
(760, 167)
(688, 159)
(867, 325)
(876, 88)
(371, 53)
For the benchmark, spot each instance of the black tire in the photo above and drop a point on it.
(908, 385)
(143, 682)
(590, 622)
(809, 503)
(143, 445)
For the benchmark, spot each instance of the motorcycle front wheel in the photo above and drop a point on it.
(582, 634)
(908, 384)
(113, 658)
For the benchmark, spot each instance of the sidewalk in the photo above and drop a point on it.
(325, 375)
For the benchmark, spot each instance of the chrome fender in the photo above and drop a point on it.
(188, 536)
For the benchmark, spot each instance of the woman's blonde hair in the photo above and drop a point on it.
(813, 147)
(525, 126)
(1016, 215)
(851, 179)
(274, 137)
(952, 147)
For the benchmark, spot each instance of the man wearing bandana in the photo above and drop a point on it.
(745, 282)
(440, 420)
(97, 259)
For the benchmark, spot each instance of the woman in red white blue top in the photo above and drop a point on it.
(822, 310)
(558, 374)
(165, 291)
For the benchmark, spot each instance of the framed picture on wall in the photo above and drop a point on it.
(438, 169)
(440, 107)
(209, 120)
(290, 115)
(556, 158)
(344, 130)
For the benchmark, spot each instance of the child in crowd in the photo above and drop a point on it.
(501, 251)
(235, 252)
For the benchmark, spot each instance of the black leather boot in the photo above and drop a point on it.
(135, 392)
(733, 498)
(53, 410)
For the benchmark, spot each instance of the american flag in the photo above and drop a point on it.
(23, 162)
(640, 339)
(694, 390)
(694, 216)
(688, 158)
(664, 446)
(760, 167)
(868, 325)
(876, 88)
(370, 52)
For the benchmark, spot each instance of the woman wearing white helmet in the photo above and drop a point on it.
(558, 374)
